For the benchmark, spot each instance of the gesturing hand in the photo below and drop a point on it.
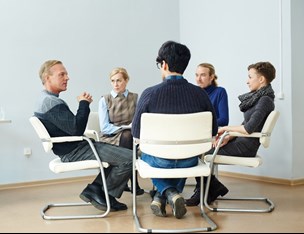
(85, 96)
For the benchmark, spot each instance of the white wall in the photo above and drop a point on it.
(233, 34)
(297, 51)
(93, 36)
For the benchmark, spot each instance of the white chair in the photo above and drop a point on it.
(93, 128)
(253, 162)
(173, 136)
(57, 166)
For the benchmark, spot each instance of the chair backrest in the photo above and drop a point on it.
(93, 121)
(176, 136)
(268, 127)
(42, 133)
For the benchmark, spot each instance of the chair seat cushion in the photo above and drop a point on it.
(146, 171)
(57, 166)
(234, 160)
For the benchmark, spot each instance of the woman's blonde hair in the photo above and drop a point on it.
(120, 70)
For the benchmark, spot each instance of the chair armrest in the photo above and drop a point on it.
(66, 139)
(136, 140)
(92, 134)
(237, 134)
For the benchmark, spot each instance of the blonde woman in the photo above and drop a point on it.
(116, 111)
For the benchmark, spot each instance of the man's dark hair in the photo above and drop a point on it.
(176, 55)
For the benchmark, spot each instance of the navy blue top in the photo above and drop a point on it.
(59, 120)
(175, 95)
(219, 99)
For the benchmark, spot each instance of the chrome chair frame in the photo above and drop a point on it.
(183, 135)
(214, 160)
(57, 166)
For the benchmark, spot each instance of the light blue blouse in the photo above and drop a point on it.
(104, 119)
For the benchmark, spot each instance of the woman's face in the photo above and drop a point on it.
(254, 81)
(118, 83)
(202, 77)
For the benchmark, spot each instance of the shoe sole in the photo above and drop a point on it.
(222, 192)
(157, 210)
(119, 209)
(190, 203)
(94, 203)
(178, 206)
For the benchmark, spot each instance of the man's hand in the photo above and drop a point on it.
(85, 96)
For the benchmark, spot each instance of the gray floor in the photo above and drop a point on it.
(20, 210)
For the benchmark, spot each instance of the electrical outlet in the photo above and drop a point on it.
(27, 151)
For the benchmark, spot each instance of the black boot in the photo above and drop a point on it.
(139, 190)
(216, 189)
(152, 193)
(194, 200)
(127, 188)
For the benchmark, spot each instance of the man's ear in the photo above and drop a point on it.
(165, 66)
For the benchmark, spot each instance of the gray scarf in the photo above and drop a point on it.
(248, 100)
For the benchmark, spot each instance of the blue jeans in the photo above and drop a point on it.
(163, 184)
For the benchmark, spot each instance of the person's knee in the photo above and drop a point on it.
(126, 139)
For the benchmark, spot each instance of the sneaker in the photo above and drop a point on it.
(158, 205)
(176, 202)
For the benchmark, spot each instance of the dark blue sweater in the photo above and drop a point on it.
(219, 99)
(59, 120)
(172, 96)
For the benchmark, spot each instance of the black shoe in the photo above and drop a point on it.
(194, 200)
(127, 188)
(158, 205)
(152, 193)
(116, 205)
(95, 196)
(139, 191)
(216, 189)
(177, 203)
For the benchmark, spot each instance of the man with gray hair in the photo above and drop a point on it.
(59, 120)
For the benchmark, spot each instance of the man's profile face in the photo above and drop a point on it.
(57, 80)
